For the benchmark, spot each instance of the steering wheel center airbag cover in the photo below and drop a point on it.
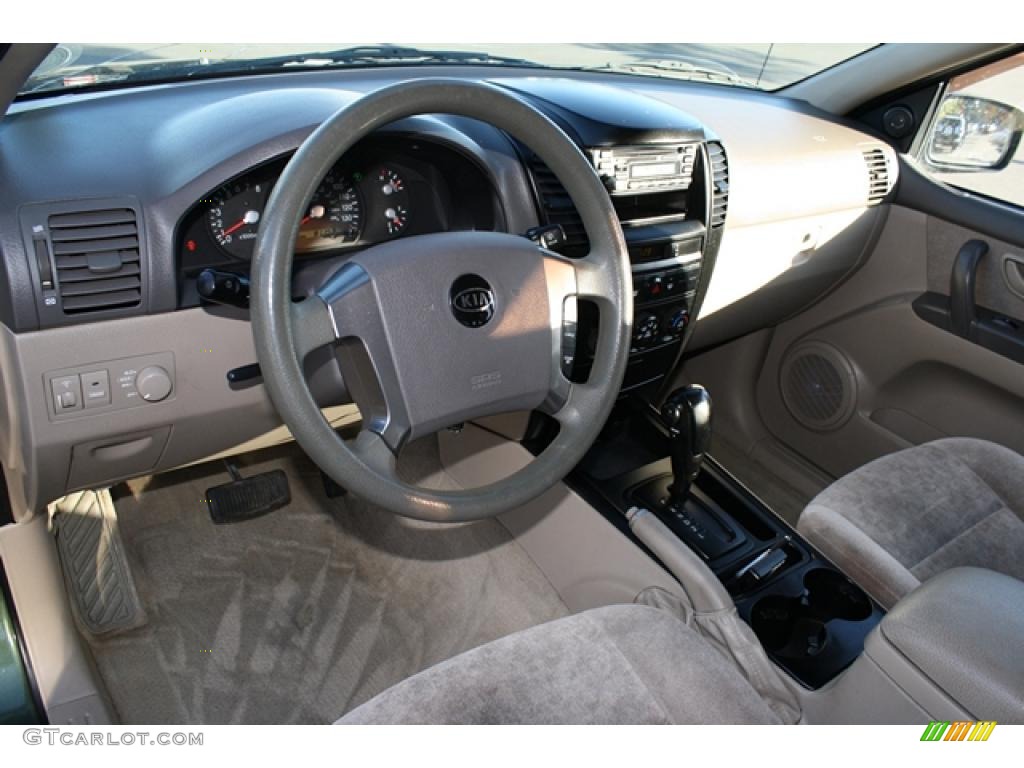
(454, 326)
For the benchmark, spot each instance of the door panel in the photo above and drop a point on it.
(906, 380)
(992, 288)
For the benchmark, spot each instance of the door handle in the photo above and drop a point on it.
(1013, 272)
(962, 313)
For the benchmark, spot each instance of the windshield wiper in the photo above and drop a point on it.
(358, 56)
(392, 54)
(683, 69)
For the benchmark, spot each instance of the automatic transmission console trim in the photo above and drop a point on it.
(811, 619)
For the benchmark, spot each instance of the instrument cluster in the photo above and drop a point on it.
(377, 192)
(348, 207)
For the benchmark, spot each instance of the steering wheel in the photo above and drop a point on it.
(435, 330)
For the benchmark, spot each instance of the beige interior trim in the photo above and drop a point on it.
(884, 69)
(780, 247)
(588, 561)
(338, 416)
(68, 684)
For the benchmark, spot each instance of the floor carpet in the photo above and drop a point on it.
(299, 616)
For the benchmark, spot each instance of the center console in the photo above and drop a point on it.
(811, 620)
(661, 197)
(667, 177)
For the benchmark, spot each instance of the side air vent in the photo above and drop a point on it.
(878, 175)
(96, 254)
(557, 207)
(720, 184)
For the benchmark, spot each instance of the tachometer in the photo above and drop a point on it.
(234, 216)
(334, 216)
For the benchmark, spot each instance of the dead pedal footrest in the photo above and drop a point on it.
(100, 583)
(246, 498)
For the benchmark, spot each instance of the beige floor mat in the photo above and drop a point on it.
(304, 614)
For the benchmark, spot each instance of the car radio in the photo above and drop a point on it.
(641, 170)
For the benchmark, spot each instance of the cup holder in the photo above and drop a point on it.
(831, 593)
(797, 627)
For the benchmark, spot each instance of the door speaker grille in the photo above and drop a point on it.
(818, 385)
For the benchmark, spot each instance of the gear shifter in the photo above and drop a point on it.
(694, 518)
(687, 414)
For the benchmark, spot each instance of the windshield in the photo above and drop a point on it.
(767, 66)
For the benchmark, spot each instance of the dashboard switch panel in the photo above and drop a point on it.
(103, 386)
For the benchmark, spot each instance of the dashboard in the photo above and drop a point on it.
(113, 203)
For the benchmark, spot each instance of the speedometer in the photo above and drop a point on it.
(334, 216)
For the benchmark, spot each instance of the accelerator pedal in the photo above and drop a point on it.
(247, 498)
(99, 579)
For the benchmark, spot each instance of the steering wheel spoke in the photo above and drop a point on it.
(581, 400)
(366, 357)
(312, 326)
(373, 451)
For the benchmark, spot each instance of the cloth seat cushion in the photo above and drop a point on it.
(908, 516)
(620, 664)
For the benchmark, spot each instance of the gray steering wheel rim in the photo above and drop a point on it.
(588, 406)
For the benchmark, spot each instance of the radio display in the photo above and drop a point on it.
(639, 254)
(649, 170)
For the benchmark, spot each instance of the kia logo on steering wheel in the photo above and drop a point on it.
(472, 301)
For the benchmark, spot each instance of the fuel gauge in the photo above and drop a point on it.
(397, 217)
(394, 200)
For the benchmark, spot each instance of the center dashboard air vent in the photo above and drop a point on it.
(720, 184)
(556, 205)
(879, 181)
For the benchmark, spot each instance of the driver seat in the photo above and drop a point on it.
(629, 664)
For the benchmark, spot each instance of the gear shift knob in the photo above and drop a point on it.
(687, 414)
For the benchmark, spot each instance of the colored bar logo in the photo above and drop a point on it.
(958, 731)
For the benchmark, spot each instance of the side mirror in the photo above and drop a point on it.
(973, 134)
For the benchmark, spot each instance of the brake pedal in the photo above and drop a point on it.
(247, 498)
(99, 579)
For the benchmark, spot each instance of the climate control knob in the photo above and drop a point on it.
(153, 383)
(645, 329)
(679, 320)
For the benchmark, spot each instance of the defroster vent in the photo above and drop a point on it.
(96, 254)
